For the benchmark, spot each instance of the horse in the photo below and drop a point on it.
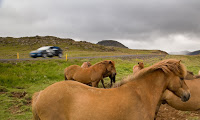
(92, 74)
(134, 100)
(190, 76)
(138, 67)
(193, 104)
(86, 65)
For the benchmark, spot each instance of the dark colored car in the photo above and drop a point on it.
(47, 51)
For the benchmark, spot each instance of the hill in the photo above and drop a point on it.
(194, 53)
(180, 53)
(9, 47)
(111, 43)
(38, 41)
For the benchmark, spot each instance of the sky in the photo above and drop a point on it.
(168, 25)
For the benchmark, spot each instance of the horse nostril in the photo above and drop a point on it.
(185, 97)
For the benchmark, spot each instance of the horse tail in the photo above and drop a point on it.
(34, 110)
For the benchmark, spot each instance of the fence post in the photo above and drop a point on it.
(66, 57)
(17, 55)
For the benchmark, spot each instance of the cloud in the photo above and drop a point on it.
(144, 23)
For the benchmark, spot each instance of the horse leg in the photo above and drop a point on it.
(112, 79)
(95, 84)
(157, 108)
(103, 83)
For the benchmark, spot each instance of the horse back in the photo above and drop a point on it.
(83, 75)
(70, 71)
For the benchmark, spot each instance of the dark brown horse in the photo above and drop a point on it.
(92, 74)
(136, 99)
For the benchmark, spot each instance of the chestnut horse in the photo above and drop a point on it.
(138, 67)
(190, 76)
(93, 74)
(191, 105)
(86, 65)
(136, 99)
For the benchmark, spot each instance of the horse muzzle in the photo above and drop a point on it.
(185, 97)
(113, 77)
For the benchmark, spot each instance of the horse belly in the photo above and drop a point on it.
(83, 78)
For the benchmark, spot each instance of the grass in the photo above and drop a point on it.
(32, 76)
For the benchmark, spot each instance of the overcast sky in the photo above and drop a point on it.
(169, 25)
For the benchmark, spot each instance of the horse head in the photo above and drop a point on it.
(110, 70)
(141, 65)
(86, 65)
(190, 76)
(176, 82)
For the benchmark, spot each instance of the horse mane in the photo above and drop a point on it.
(168, 66)
(104, 62)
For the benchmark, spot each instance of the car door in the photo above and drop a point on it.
(56, 51)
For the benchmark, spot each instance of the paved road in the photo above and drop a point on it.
(116, 56)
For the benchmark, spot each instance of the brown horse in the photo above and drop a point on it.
(191, 105)
(93, 74)
(86, 65)
(174, 101)
(136, 99)
(190, 76)
(138, 67)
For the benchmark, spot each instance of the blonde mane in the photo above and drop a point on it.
(169, 66)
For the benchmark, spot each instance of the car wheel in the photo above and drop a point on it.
(59, 55)
(44, 55)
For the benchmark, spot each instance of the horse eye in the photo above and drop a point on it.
(182, 78)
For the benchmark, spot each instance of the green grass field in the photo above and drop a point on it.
(19, 80)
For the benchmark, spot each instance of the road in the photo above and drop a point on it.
(89, 57)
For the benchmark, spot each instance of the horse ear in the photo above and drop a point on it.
(179, 61)
(110, 62)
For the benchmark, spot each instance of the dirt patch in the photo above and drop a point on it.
(3, 90)
(18, 94)
(15, 109)
(168, 113)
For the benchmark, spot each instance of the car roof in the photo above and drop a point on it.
(44, 47)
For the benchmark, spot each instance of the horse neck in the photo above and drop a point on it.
(100, 68)
(150, 88)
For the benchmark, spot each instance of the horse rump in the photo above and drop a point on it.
(34, 100)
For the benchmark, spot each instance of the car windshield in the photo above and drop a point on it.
(43, 48)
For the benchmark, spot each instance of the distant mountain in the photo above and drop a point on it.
(111, 43)
(185, 53)
(180, 53)
(194, 53)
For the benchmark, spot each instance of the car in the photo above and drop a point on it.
(47, 51)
